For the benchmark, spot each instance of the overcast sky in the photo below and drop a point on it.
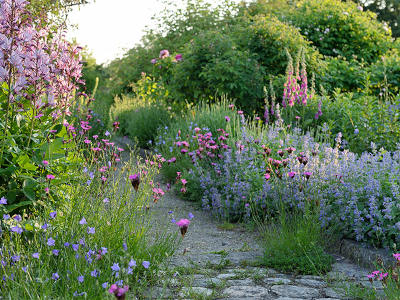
(109, 27)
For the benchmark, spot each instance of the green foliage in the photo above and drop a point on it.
(343, 74)
(296, 244)
(361, 119)
(139, 119)
(214, 66)
(268, 37)
(340, 28)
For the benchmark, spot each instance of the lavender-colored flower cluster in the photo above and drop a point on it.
(357, 195)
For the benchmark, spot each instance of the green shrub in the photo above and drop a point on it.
(341, 28)
(139, 119)
(268, 37)
(343, 74)
(213, 65)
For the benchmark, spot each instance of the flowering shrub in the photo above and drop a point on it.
(39, 73)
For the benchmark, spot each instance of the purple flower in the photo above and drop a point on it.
(56, 252)
(83, 221)
(146, 264)
(125, 246)
(104, 285)
(66, 244)
(3, 200)
(75, 247)
(91, 230)
(94, 273)
(35, 255)
(81, 278)
(191, 216)
(53, 214)
(24, 269)
(51, 242)
(132, 263)
(16, 258)
(154, 61)
(103, 250)
(16, 229)
(115, 267)
(17, 218)
(6, 217)
(55, 276)
(45, 226)
(178, 57)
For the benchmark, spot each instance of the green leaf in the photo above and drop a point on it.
(12, 207)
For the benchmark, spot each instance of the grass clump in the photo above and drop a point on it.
(295, 244)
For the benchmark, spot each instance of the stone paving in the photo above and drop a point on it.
(213, 263)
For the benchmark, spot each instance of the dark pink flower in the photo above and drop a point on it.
(183, 225)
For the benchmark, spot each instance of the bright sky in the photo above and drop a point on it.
(109, 27)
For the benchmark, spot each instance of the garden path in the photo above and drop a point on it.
(218, 261)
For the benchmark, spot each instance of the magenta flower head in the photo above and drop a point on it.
(135, 180)
(227, 118)
(178, 57)
(45, 163)
(50, 177)
(183, 225)
(118, 292)
(154, 61)
(292, 174)
(164, 54)
(307, 174)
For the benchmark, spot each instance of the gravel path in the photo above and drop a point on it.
(215, 263)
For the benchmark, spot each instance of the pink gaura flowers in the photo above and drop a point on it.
(183, 226)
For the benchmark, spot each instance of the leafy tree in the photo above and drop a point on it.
(387, 11)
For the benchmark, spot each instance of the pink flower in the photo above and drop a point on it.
(183, 225)
(45, 163)
(227, 118)
(240, 112)
(397, 256)
(267, 176)
(292, 174)
(164, 54)
(178, 57)
(184, 181)
(307, 174)
(50, 177)
(154, 61)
